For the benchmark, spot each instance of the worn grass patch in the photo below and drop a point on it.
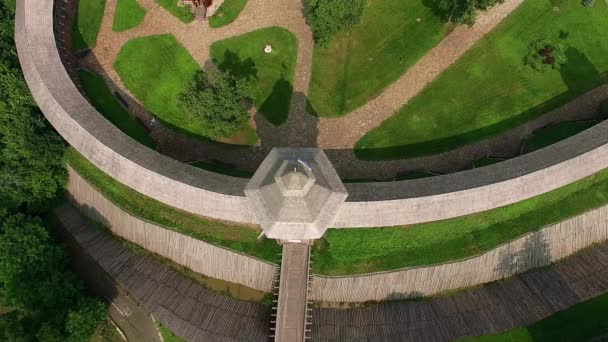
(354, 251)
(581, 322)
(237, 238)
(106, 103)
(86, 23)
(128, 14)
(489, 90)
(272, 73)
(156, 69)
(227, 13)
(360, 63)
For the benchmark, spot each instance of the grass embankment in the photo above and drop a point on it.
(225, 170)
(241, 239)
(555, 133)
(354, 251)
(127, 15)
(361, 62)
(106, 103)
(86, 23)
(582, 322)
(168, 335)
(272, 73)
(227, 13)
(489, 90)
(183, 13)
(156, 69)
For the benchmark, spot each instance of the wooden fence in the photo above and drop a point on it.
(533, 250)
(197, 255)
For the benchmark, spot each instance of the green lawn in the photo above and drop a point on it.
(104, 101)
(242, 239)
(581, 322)
(128, 14)
(168, 335)
(490, 90)
(555, 133)
(354, 251)
(156, 69)
(184, 14)
(481, 162)
(227, 13)
(272, 73)
(359, 63)
(86, 23)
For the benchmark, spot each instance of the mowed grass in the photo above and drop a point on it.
(168, 335)
(104, 101)
(490, 90)
(354, 251)
(555, 133)
(184, 14)
(128, 14)
(579, 323)
(156, 69)
(227, 13)
(359, 63)
(272, 73)
(237, 238)
(86, 23)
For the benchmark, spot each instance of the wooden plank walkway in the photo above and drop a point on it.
(499, 306)
(187, 308)
(293, 291)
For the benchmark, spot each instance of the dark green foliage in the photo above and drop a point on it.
(588, 3)
(327, 17)
(31, 167)
(463, 11)
(35, 282)
(217, 100)
(544, 55)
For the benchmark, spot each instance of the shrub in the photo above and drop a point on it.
(588, 3)
(544, 55)
(327, 17)
(218, 101)
(463, 11)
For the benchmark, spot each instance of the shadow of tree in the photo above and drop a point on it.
(276, 106)
(241, 68)
(534, 253)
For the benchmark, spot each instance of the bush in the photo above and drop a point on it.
(463, 11)
(327, 17)
(544, 55)
(588, 3)
(218, 100)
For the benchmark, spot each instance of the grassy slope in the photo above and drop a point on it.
(225, 170)
(555, 133)
(360, 63)
(490, 90)
(156, 69)
(242, 239)
(244, 56)
(184, 14)
(168, 335)
(128, 14)
(227, 13)
(355, 251)
(86, 23)
(581, 322)
(105, 102)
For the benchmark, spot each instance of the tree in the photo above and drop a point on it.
(463, 11)
(84, 319)
(544, 55)
(326, 17)
(218, 100)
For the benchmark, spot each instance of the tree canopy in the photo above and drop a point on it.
(218, 99)
(463, 11)
(326, 17)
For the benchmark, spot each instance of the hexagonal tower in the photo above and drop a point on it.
(296, 194)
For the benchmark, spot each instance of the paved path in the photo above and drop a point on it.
(185, 307)
(293, 291)
(500, 306)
